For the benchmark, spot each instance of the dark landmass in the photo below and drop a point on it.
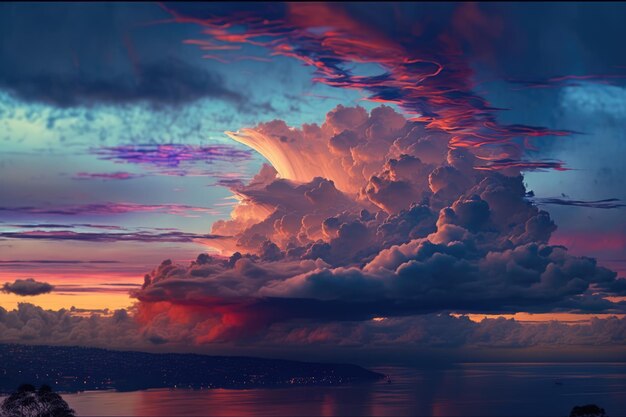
(72, 369)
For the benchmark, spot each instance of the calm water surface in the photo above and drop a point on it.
(463, 390)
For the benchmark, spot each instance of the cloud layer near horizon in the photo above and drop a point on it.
(118, 330)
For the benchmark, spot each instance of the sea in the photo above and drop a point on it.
(466, 389)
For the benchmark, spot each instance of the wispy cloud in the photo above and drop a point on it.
(568, 80)
(171, 155)
(424, 75)
(609, 203)
(27, 287)
(61, 226)
(179, 237)
(106, 175)
(13, 262)
(110, 208)
(502, 164)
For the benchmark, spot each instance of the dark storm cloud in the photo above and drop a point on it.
(559, 42)
(87, 54)
(27, 287)
(163, 83)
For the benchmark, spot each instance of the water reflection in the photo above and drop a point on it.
(463, 390)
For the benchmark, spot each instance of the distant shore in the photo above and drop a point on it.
(77, 369)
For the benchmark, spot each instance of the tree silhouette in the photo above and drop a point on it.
(27, 401)
(589, 410)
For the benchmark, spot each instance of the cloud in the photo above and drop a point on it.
(609, 203)
(119, 330)
(594, 103)
(146, 237)
(107, 288)
(568, 81)
(162, 83)
(32, 324)
(119, 175)
(128, 61)
(370, 214)
(27, 287)
(427, 76)
(399, 225)
(500, 164)
(171, 154)
(110, 208)
(65, 226)
(179, 159)
(445, 331)
(54, 261)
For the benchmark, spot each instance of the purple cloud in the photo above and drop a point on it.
(172, 155)
(518, 164)
(120, 175)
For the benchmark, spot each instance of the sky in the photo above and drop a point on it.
(282, 179)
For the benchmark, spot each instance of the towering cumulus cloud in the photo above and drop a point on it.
(371, 215)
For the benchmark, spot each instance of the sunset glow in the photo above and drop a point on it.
(398, 183)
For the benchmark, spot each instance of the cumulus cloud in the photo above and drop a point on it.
(32, 324)
(371, 215)
(27, 287)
